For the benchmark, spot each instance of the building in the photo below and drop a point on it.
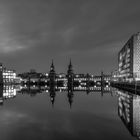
(9, 76)
(31, 77)
(129, 59)
(115, 75)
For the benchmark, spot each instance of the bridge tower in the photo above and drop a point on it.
(52, 78)
(1, 74)
(70, 77)
(102, 79)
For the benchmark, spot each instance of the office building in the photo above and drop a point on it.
(129, 59)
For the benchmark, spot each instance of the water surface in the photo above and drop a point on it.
(89, 117)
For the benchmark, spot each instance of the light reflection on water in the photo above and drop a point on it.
(77, 115)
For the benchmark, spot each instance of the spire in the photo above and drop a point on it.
(70, 62)
(70, 66)
(52, 67)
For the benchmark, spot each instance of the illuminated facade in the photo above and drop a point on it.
(129, 59)
(115, 75)
(129, 112)
(9, 76)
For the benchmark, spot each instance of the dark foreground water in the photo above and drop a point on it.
(91, 117)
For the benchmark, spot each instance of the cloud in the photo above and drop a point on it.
(9, 49)
(8, 40)
(55, 28)
(9, 44)
(68, 35)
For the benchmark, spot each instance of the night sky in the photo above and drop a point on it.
(90, 32)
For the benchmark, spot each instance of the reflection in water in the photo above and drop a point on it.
(70, 96)
(1, 95)
(128, 103)
(52, 95)
(31, 90)
(7, 92)
(129, 111)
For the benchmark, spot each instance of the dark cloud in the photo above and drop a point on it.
(38, 31)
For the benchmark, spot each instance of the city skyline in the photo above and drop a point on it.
(89, 32)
